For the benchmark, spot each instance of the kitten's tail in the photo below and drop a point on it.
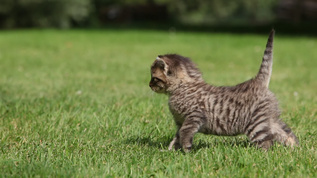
(265, 71)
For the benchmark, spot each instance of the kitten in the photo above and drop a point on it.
(248, 108)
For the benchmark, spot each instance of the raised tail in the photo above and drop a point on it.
(265, 71)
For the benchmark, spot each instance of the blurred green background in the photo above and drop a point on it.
(297, 16)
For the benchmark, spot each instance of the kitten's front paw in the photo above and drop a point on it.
(174, 143)
(177, 146)
(187, 149)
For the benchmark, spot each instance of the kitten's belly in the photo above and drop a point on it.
(213, 127)
(218, 129)
(215, 132)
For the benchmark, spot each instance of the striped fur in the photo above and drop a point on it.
(247, 108)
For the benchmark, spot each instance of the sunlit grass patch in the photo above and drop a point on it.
(77, 103)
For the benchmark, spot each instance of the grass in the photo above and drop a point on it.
(77, 103)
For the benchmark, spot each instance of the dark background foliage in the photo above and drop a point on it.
(99, 13)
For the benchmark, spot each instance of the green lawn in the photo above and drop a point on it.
(77, 103)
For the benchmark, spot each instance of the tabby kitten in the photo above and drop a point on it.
(248, 108)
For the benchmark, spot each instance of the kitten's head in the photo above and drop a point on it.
(169, 71)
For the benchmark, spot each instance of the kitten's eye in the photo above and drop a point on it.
(169, 72)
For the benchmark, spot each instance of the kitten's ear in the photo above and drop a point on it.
(160, 63)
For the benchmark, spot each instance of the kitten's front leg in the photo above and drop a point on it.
(175, 142)
(186, 133)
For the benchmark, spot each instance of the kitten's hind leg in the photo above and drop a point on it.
(259, 132)
(264, 144)
(283, 134)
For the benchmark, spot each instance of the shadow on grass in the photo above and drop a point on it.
(163, 142)
(221, 142)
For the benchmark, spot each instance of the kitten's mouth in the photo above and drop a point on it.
(157, 89)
